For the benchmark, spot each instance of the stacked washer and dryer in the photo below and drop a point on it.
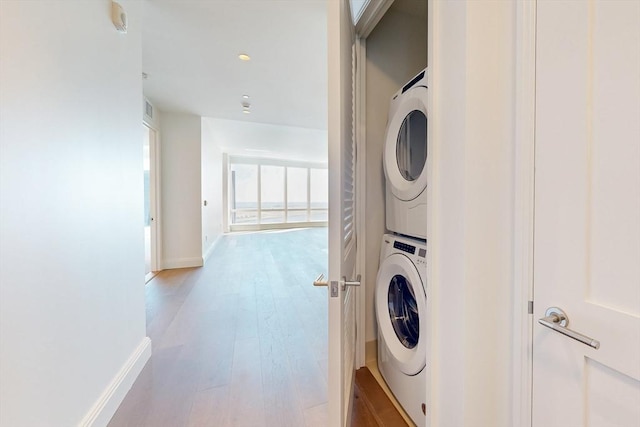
(400, 296)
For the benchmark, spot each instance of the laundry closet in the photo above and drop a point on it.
(396, 56)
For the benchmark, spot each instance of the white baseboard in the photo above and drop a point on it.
(168, 264)
(102, 411)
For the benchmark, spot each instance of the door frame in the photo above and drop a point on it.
(368, 18)
(155, 195)
(523, 221)
(360, 114)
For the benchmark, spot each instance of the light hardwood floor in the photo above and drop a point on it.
(239, 342)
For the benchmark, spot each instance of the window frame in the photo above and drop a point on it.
(259, 162)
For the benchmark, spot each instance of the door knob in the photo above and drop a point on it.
(558, 320)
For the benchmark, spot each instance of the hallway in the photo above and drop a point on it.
(239, 342)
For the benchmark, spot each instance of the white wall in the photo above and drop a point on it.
(192, 149)
(396, 52)
(264, 140)
(181, 177)
(211, 188)
(72, 254)
(472, 57)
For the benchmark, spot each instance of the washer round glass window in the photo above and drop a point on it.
(403, 311)
(411, 146)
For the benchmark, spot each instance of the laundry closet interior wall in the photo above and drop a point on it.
(396, 51)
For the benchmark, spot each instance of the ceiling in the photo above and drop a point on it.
(190, 53)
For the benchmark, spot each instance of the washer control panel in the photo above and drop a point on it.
(405, 247)
(419, 253)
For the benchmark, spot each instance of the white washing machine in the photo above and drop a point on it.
(405, 159)
(401, 305)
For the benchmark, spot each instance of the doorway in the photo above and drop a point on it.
(149, 161)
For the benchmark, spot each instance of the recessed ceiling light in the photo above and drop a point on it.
(245, 96)
(244, 57)
(246, 111)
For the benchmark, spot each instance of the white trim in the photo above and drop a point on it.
(277, 226)
(154, 196)
(259, 195)
(245, 160)
(433, 195)
(225, 192)
(101, 412)
(361, 198)
(158, 202)
(183, 262)
(155, 180)
(523, 221)
(309, 193)
(370, 15)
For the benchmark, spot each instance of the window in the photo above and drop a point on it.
(319, 190)
(274, 192)
(244, 194)
(297, 200)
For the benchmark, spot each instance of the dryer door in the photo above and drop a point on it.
(405, 152)
(401, 312)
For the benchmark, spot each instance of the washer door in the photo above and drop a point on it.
(401, 312)
(405, 153)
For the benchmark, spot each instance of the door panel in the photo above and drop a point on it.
(150, 162)
(587, 210)
(342, 238)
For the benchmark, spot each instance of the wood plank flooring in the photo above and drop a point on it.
(372, 407)
(243, 341)
(239, 342)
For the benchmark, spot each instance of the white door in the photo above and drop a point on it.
(342, 239)
(587, 213)
(150, 151)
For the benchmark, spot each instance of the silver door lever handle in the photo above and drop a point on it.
(558, 320)
(346, 282)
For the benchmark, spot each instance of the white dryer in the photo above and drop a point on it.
(401, 304)
(405, 159)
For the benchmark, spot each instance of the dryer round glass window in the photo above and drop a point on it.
(403, 311)
(400, 284)
(411, 146)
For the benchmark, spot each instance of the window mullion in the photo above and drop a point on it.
(259, 194)
(308, 194)
(286, 195)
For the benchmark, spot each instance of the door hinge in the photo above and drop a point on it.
(530, 307)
